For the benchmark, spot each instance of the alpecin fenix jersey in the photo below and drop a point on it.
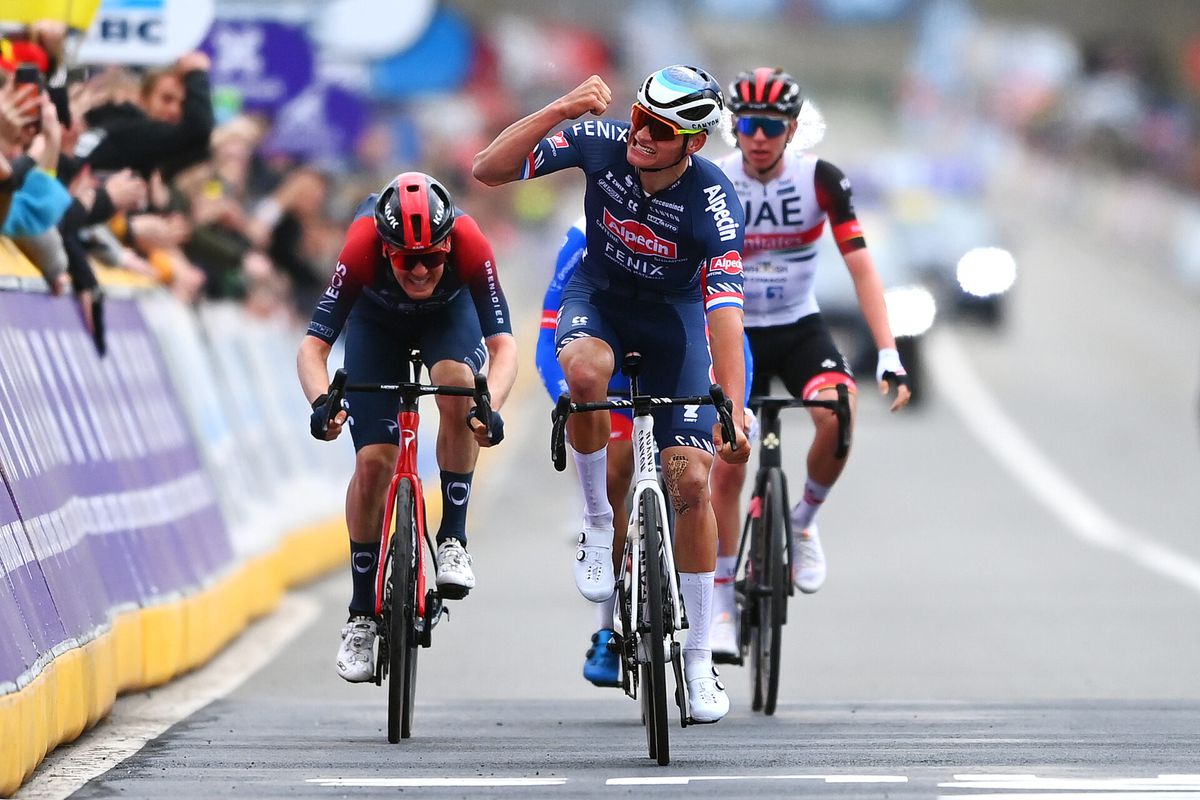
(682, 244)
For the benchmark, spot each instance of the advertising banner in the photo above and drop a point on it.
(114, 503)
(258, 65)
(150, 32)
(24, 601)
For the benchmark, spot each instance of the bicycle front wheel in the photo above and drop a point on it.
(401, 629)
(772, 605)
(654, 673)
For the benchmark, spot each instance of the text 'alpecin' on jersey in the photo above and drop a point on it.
(682, 244)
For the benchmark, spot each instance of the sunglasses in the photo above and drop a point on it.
(407, 262)
(661, 130)
(770, 126)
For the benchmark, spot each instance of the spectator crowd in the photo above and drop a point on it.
(129, 170)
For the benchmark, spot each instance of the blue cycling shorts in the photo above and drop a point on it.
(674, 347)
(377, 346)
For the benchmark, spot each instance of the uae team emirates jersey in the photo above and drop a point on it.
(785, 221)
(680, 245)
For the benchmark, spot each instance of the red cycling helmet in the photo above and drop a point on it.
(765, 90)
(414, 212)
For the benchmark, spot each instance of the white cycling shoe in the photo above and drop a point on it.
(454, 574)
(707, 701)
(593, 564)
(723, 638)
(808, 560)
(356, 655)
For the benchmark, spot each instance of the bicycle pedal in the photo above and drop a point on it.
(452, 591)
(726, 658)
(694, 721)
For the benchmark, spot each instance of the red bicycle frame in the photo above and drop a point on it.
(406, 467)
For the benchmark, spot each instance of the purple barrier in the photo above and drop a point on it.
(29, 623)
(105, 475)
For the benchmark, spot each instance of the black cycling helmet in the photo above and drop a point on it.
(765, 90)
(414, 212)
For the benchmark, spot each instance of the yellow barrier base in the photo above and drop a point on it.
(149, 646)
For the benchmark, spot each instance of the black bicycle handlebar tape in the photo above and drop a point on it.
(337, 392)
(558, 447)
(843, 418)
(724, 408)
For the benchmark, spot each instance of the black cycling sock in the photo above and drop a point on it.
(362, 570)
(456, 491)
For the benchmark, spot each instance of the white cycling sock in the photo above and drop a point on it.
(604, 611)
(723, 597)
(806, 510)
(593, 479)
(697, 591)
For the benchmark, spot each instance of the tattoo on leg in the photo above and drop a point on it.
(676, 467)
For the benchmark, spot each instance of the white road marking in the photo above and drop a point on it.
(1071, 795)
(960, 386)
(1163, 783)
(682, 780)
(438, 782)
(136, 719)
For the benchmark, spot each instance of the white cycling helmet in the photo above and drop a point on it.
(687, 96)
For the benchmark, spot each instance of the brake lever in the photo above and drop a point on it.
(843, 418)
(337, 393)
(724, 408)
(558, 449)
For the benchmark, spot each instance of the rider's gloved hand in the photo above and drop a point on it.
(495, 430)
(890, 371)
(320, 413)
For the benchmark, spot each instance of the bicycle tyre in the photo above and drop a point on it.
(402, 640)
(775, 608)
(655, 673)
(752, 613)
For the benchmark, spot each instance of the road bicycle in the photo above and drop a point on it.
(766, 546)
(649, 605)
(405, 606)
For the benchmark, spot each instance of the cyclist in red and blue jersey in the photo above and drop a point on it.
(664, 238)
(601, 665)
(414, 272)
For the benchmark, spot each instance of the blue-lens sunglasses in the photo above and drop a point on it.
(771, 126)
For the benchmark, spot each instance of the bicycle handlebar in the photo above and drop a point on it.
(840, 407)
(409, 391)
(564, 408)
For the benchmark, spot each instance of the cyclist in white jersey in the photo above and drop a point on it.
(789, 197)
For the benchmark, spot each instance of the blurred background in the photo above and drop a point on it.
(934, 107)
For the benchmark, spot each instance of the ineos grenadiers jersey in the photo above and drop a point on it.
(682, 244)
(363, 271)
(785, 219)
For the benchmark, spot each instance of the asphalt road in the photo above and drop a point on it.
(1013, 588)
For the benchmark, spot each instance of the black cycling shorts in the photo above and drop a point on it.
(802, 354)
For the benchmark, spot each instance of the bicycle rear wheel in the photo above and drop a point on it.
(654, 674)
(401, 630)
(772, 594)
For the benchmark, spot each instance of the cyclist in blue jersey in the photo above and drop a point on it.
(664, 237)
(601, 665)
